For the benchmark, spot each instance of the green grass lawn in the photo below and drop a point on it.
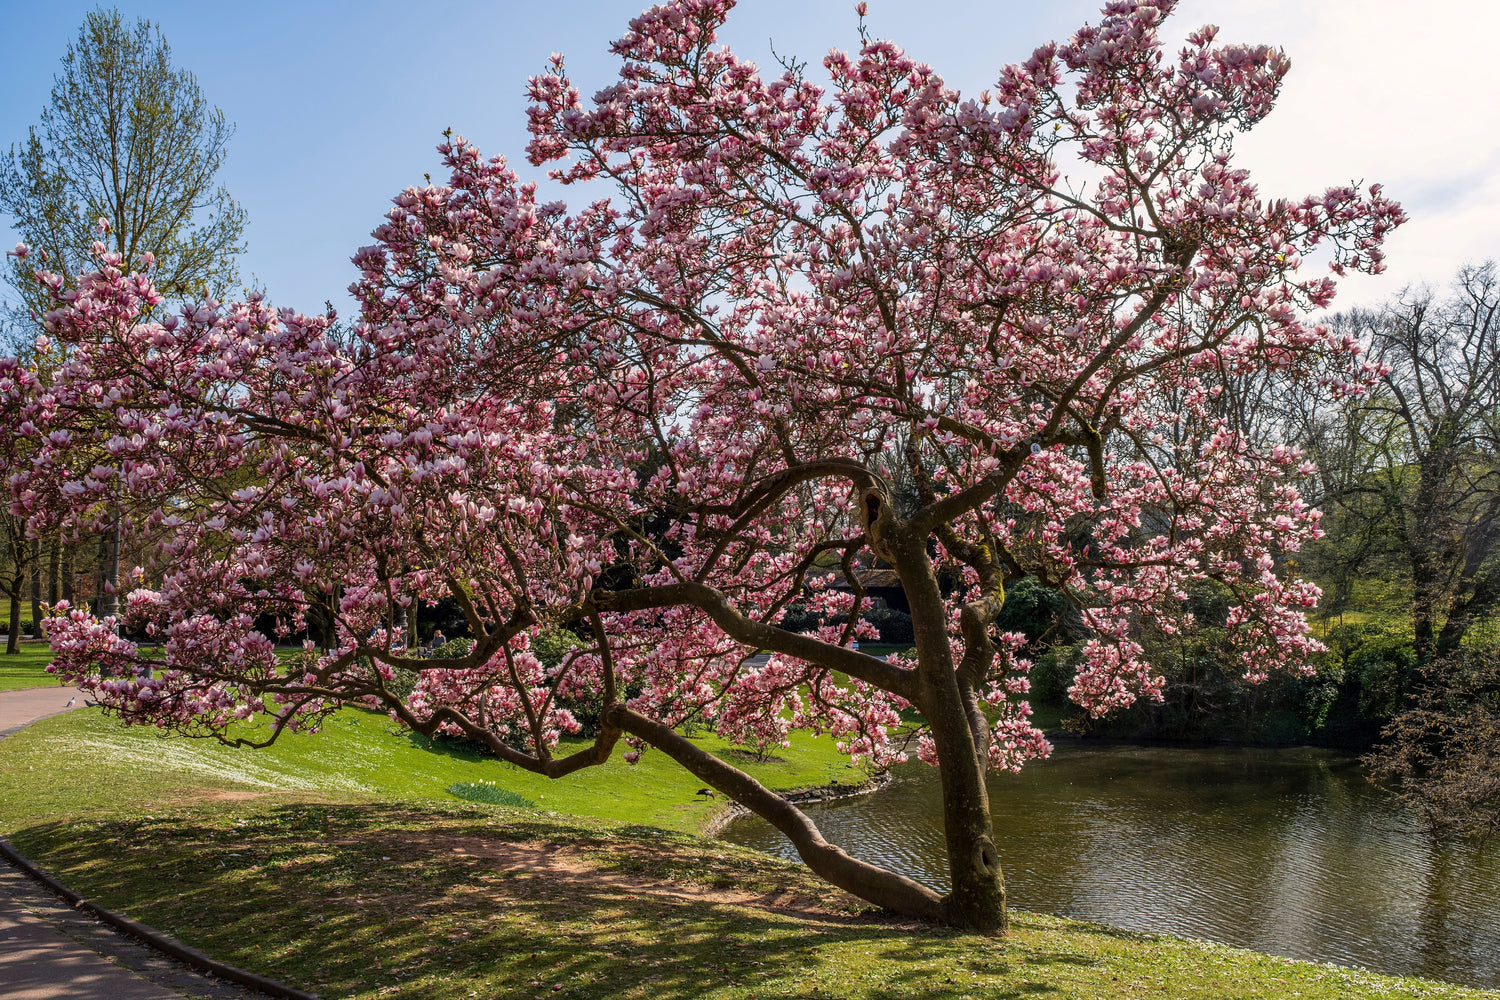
(415, 900)
(26, 668)
(94, 766)
(338, 863)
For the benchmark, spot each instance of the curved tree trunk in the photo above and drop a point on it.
(976, 899)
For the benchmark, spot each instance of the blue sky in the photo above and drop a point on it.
(338, 106)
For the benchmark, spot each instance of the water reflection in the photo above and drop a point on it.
(1285, 851)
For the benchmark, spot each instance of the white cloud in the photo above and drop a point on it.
(1396, 93)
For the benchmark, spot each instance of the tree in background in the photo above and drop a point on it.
(130, 139)
(126, 154)
(1409, 477)
(1410, 473)
(19, 562)
(647, 422)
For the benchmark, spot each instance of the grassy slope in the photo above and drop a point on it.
(26, 668)
(398, 900)
(360, 754)
(341, 875)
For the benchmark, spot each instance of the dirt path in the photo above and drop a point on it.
(569, 869)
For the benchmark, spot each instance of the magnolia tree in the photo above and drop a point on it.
(658, 421)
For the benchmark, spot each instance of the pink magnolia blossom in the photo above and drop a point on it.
(658, 421)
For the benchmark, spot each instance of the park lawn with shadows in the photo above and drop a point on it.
(419, 900)
(26, 668)
(333, 862)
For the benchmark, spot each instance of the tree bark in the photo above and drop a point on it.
(13, 637)
(68, 578)
(976, 899)
(1478, 588)
(54, 570)
(107, 600)
(1423, 544)
(36, 588)
(1462, 614)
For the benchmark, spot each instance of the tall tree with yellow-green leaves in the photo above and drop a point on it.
(124, 154)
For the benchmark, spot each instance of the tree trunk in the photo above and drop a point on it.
(68, 579)
(13, 638)
(36, 588)
(1424, 542)
(1478, 590)
(1463, 613)
(976, 899)
(107, 600)
(1426, 588)
(54, 570)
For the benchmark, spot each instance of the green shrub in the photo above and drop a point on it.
(1209, 602)
(453, 649)
(552, 645)
(402, 681)
(1052, 675)
(1343, 639)
(798, 619)
(1385, 667)
(1317, 696)
(1031, 609)
(894, 626)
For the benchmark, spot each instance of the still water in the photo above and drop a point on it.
(1289, 852)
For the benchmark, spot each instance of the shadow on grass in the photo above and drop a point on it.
(424, 901)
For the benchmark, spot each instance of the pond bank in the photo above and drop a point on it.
(802, 797)
(1285, 851)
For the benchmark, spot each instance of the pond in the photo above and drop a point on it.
(1285, 851)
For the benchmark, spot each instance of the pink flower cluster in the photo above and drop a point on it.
(823, 327)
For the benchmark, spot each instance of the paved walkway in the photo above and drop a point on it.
(19, 709)
(49, 951)
(39, 961)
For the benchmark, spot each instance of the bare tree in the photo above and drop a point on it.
(1440, 754)
(1409, 475)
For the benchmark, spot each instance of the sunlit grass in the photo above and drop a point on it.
(414, 900)
(96, 766)
(341, 863)
(26, 668)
